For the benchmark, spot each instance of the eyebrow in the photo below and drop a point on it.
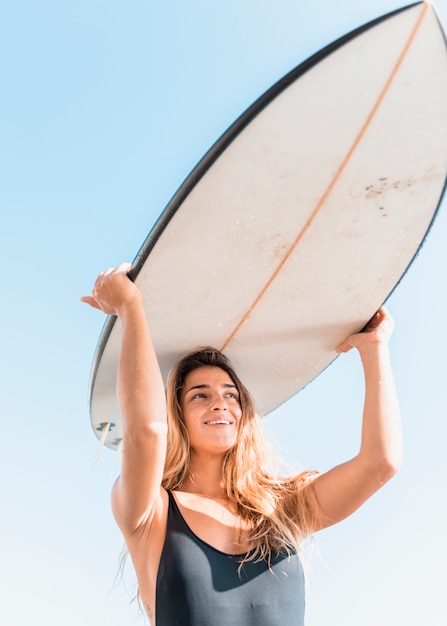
(225, 386)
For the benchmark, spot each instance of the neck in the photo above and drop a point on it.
(205, 478)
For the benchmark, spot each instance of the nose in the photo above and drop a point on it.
(219, 404)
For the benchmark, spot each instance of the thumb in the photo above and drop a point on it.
(91, 301)
(345, 346)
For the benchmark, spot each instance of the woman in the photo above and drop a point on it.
(213, 533)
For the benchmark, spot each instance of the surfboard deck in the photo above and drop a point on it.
(300, 221)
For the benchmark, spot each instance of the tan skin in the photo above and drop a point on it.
(211, 412)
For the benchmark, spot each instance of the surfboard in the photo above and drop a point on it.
(302, 218)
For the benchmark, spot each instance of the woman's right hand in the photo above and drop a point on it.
(113, 291)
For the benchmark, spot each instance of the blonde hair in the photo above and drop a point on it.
(279, 511)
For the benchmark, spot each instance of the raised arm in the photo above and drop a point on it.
(345, 488)
(142, 399)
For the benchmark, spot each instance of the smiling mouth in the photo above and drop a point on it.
(215, 422)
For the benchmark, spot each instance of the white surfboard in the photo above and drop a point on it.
(300, 221)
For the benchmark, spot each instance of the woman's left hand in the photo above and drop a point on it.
(377, 331)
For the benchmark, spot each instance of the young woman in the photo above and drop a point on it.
(214, 534)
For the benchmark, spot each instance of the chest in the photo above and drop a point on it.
(198, 584)
(214, 522)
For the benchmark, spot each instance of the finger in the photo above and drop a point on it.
(91, 301)
(121, 268)
(345, 346)
(376, 319)
(382, 318)
(100, 278)
(373, 322)
(124, 267)
(108, 271)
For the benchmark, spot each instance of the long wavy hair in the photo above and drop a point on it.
(278, 511)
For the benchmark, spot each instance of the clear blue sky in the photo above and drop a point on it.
(105, 108)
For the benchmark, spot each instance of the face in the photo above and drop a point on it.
(211, 409)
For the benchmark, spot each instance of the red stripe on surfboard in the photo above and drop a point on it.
(336, 176)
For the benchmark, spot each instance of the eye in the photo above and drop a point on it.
(233, 395)
(198, 395)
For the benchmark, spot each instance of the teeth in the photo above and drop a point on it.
(219, 422)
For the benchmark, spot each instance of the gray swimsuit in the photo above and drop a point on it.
(197, 585)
